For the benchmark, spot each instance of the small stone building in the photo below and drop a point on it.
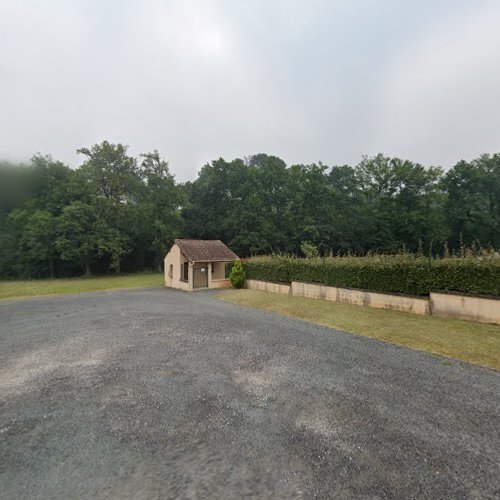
(194, 264)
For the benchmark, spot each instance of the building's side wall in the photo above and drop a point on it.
(175, 259)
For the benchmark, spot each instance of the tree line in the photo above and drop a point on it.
(116, 212)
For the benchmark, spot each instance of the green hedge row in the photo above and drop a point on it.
(384, 273)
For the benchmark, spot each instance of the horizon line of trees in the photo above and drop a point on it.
(118, 213)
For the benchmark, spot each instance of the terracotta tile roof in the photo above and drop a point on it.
(205, 250)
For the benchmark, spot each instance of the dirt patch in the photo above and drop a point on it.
(22, 373)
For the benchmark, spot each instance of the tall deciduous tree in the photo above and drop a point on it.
(473, 204)
(85, 235)
(113, 188)
(39, 236)
(161, 205)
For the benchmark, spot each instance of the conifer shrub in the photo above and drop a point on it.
(237, 275)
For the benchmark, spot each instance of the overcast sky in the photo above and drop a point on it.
(304, 80)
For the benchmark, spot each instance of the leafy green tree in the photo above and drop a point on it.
(309, 249)
(77, 241)
(402, 204)
(312, 211)
(110, 171)
(161, 205)
(84, 236)
(348, 211)
(473, 204)
(39, 237)
(15, 188)
(417, 205)
(13, 258)
(269, 198)
(113, 186)
(48, 184)
(211, 199)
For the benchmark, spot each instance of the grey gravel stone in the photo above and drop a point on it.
(157, 393)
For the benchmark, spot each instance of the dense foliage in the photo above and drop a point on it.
(402, 273)
(116, 212)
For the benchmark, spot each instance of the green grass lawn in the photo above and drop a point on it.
(477, 343)
(33, 288)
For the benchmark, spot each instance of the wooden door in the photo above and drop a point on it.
(200, 277)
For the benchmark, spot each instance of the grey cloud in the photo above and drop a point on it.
(308, 81)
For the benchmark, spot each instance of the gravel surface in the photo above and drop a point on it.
(156, 393)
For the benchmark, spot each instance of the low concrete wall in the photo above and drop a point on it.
(179, 285)
(361, 298)
(268, 286)
(219, 283)
(438, 304)
(459, 306)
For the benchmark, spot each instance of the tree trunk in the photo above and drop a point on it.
(51, 268)
(87, 268)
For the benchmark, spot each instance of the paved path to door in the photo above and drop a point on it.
(157, 393)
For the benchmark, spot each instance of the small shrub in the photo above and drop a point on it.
(237, 275)
(309, 249)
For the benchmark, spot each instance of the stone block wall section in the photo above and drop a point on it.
(459, 306)
(361, 298)
(268, 286)
(439, 304)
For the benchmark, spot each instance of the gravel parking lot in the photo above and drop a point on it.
(157, 393)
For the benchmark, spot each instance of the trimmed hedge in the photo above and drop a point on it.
(384, 273)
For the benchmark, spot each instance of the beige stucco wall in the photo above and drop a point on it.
(175, 258)
(361, 298)
(458, 306)
(267, 286)
(216, 278)
(218, 270)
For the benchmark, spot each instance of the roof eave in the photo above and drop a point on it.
(212, 260)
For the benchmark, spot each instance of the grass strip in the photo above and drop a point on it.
(34, 288)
